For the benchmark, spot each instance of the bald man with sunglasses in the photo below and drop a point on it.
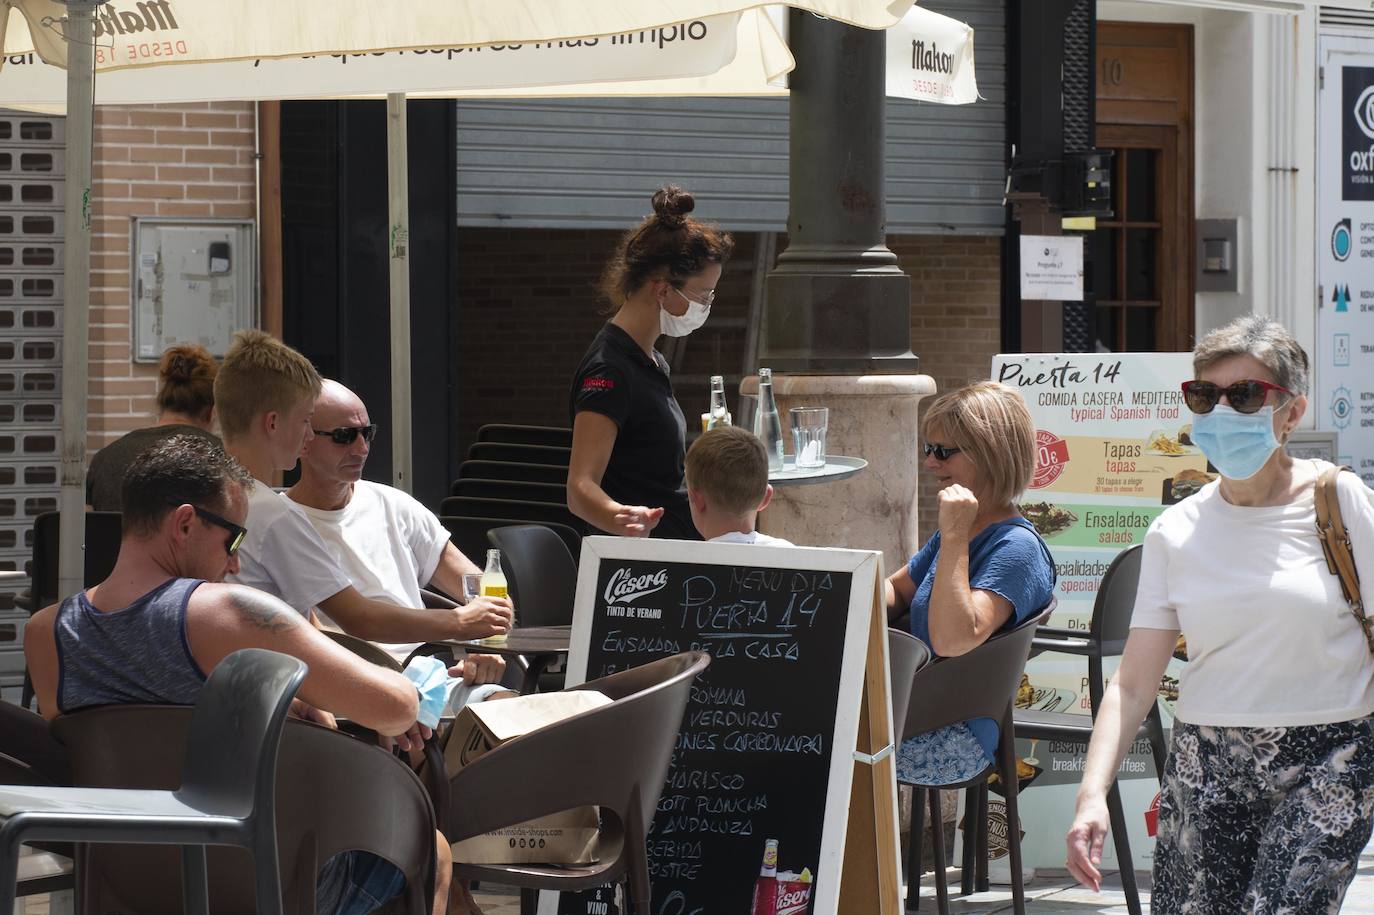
(386, 543)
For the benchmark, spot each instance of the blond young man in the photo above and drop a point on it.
(727, 486)
(265, 394)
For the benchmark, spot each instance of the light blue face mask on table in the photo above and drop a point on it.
(1237, 444)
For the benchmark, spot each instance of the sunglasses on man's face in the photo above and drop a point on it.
(236, 531)
(1243, 396)
(942, 452)
(347, 435)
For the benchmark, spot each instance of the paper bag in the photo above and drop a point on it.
(567, 838)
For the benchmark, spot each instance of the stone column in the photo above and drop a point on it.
(837, 302)
(873, 417)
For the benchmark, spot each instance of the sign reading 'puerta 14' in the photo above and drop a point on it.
(1114, 448)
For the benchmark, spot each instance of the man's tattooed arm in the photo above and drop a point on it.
(262, 611)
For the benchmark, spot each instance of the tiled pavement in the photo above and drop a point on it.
(1048, 893)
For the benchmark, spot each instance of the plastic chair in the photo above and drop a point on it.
(469, 534)
(539, 512)
(1106, 637)
(48, 870)
(543, 573)
(102, 548)
(981, 683)
(906, 655)
(334, 793)
(526, 435)
(520, 454)
(510, 470)
(615, 757)
(234, 731)
(551, 493)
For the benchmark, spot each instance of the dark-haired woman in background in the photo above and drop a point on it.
(185, 404)
(629, 436)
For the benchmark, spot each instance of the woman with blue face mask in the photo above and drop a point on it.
(625, 475)
(1268, 791)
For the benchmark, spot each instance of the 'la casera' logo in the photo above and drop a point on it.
(624, 588)
(1364, 112)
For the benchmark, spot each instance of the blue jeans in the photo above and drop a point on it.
(356, 883)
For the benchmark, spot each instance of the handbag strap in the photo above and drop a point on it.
(1335, 540)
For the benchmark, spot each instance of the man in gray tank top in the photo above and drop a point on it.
(153, 631)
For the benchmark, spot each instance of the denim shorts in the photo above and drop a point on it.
(355, 883)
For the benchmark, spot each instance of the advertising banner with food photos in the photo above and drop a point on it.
(1113, 450)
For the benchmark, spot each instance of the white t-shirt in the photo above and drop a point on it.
(386, 543)
(1271, 641)
(283, 555)
(753, 537)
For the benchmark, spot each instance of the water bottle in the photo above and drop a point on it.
(720, 413)
(767, 423)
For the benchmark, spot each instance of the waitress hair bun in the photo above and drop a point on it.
(672, 204)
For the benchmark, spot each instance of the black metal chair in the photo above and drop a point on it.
(511, 470)
(1106, 638)
(981, 683)
(469, 535)
(30, 756)
(102, 549)
(538, 512)
(227, 794)
(525, 435)
(519, 454)
(550, 493)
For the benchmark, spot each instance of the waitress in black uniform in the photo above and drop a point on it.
(629, 437)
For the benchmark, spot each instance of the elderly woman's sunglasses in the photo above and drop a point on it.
(1243, 396)
(347, 435)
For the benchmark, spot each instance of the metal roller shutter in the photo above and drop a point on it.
(591, 163)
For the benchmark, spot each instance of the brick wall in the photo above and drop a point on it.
(527, 310)
(189, 160)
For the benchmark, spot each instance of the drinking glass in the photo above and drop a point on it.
(472, 585)
(809, 425)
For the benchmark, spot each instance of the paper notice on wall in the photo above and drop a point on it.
(1052, 268)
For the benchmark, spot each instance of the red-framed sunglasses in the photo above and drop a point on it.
(1243, 396)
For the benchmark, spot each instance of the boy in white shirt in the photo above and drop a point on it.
(727, 486)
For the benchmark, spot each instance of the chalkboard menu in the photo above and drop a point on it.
(757, 796)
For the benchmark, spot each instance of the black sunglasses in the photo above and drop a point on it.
(347, 435)
(941, 452)
(1243, 396)
(236, 532)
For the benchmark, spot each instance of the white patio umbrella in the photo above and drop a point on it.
(86, 36)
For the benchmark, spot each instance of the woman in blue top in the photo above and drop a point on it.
(984, 570)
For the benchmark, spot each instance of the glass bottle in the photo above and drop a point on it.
(720, 413)
(767, 423)
(494, 585)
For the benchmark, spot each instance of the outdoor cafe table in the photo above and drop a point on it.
(837, 467)
(539, 645)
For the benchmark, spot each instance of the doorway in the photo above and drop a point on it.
(1142, 258)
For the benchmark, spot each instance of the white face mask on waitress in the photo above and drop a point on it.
(683, 324)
